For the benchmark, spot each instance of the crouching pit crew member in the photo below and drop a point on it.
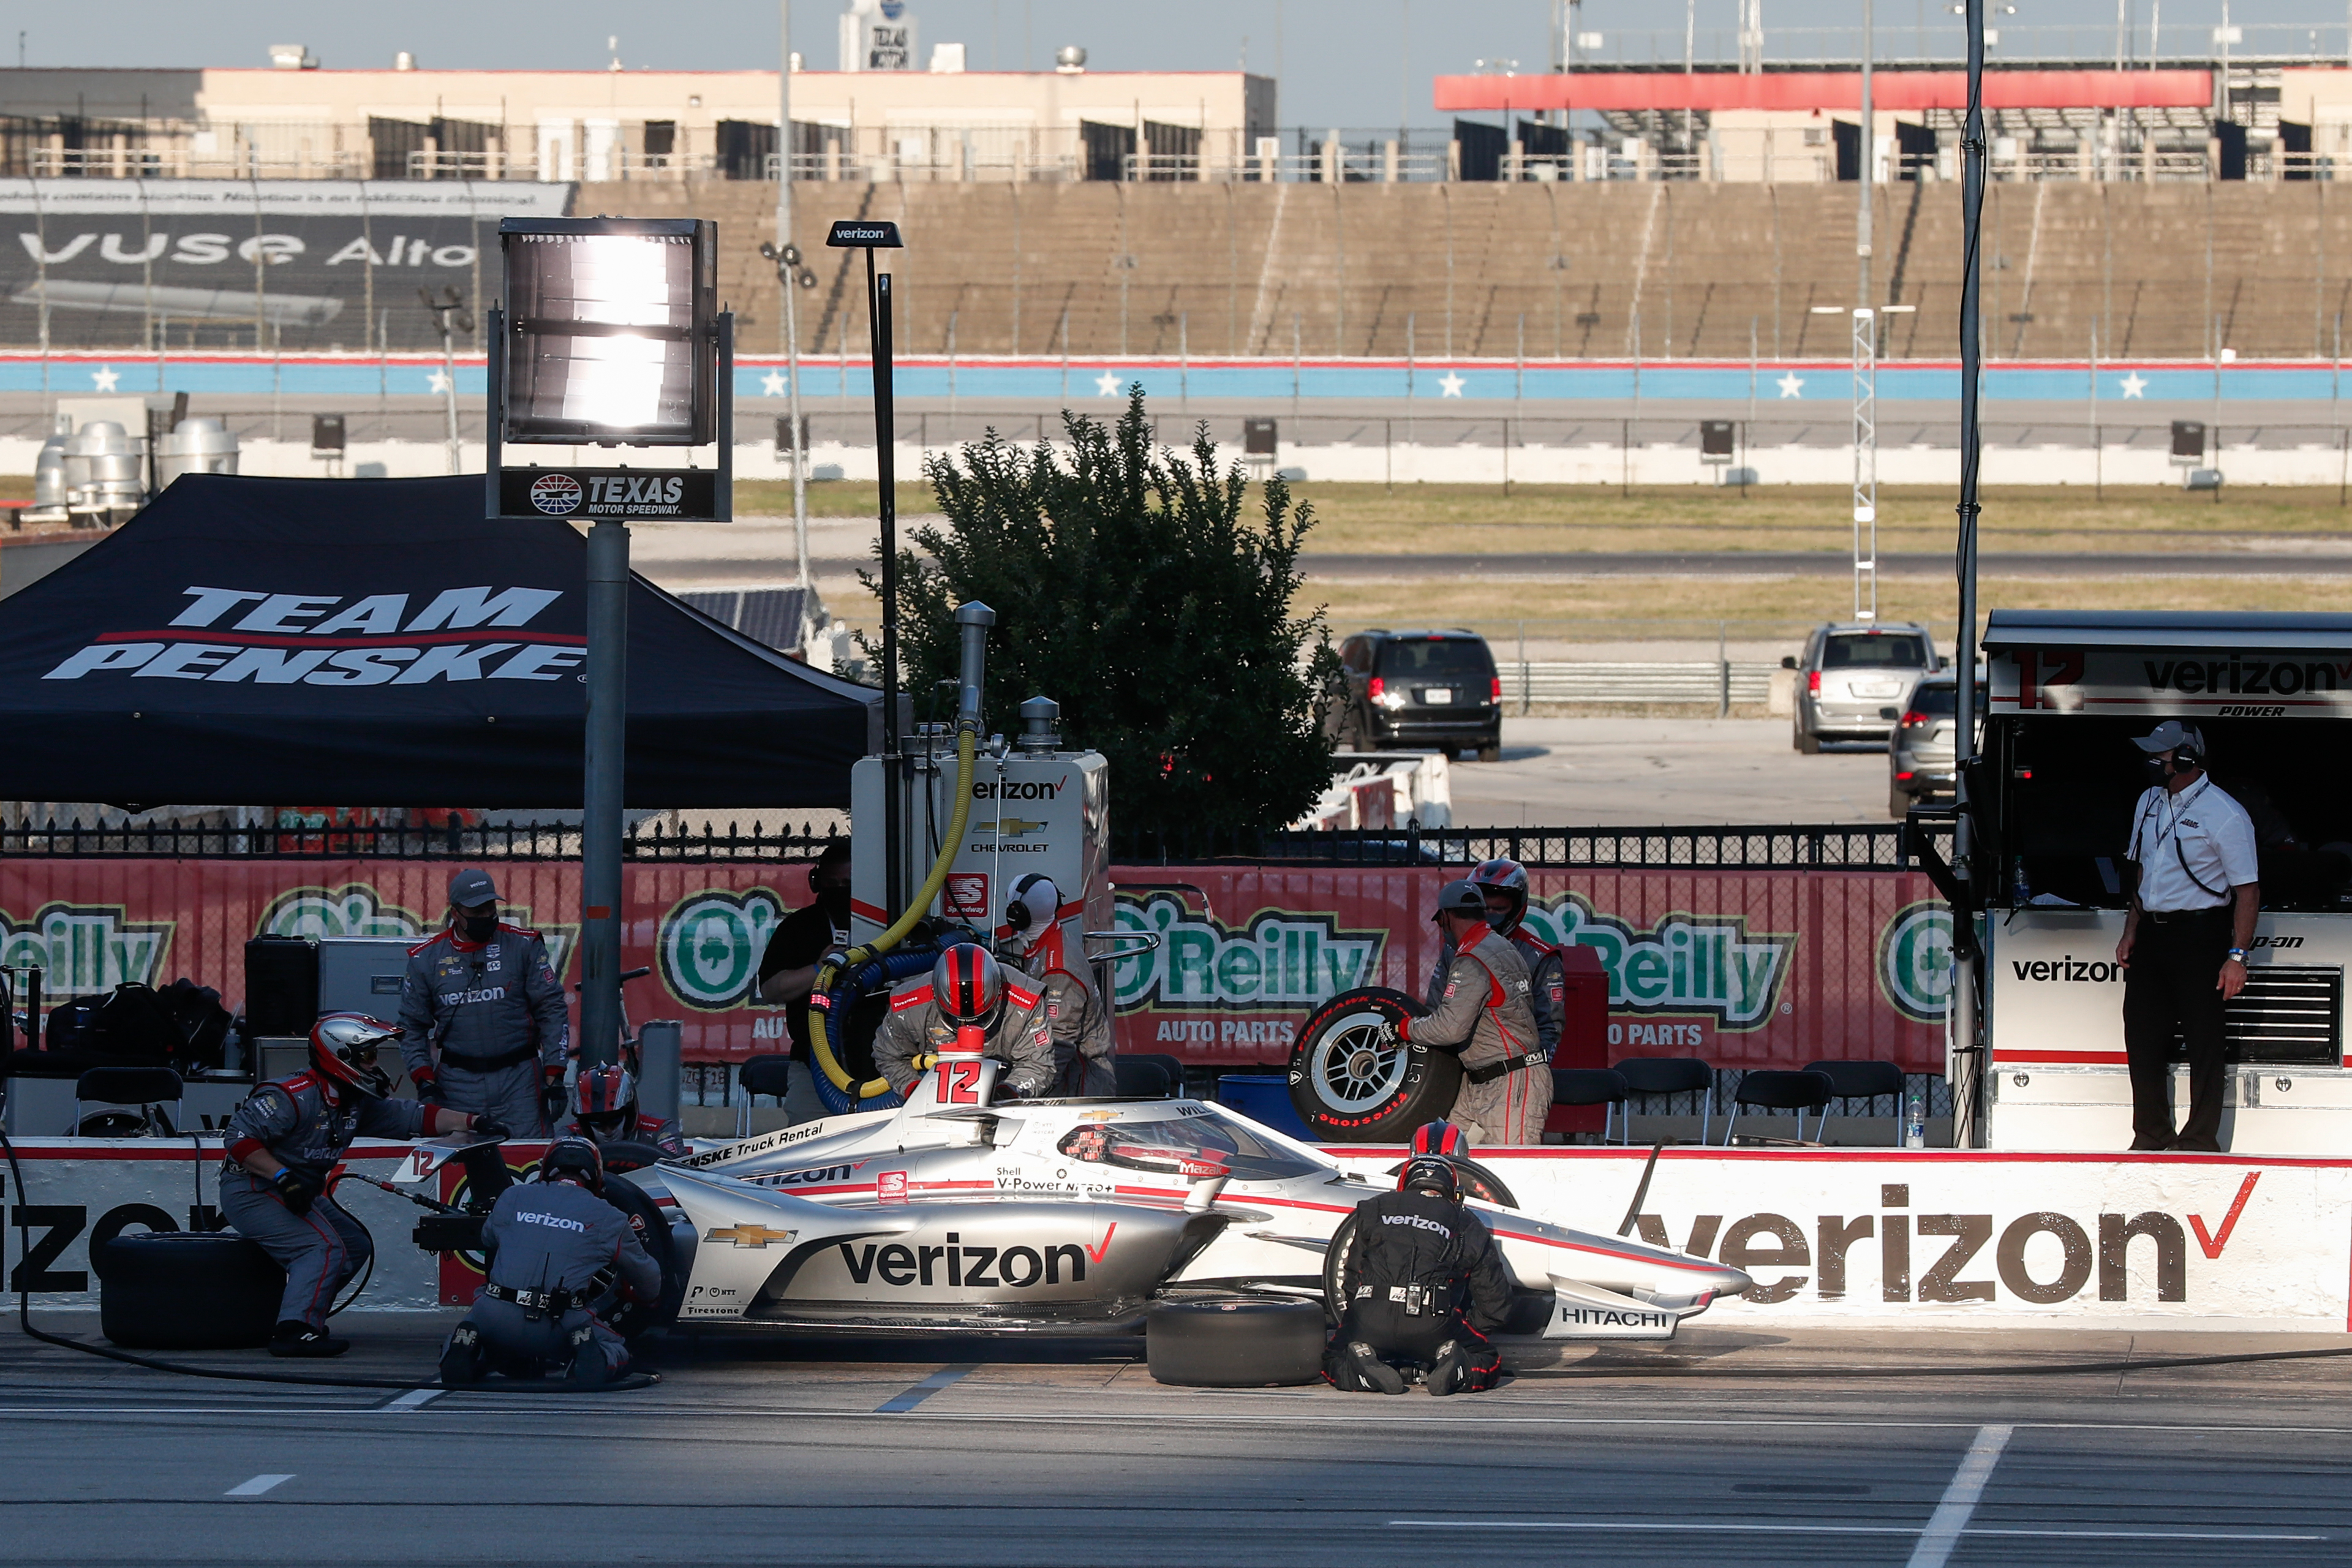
(483, 1027)
(1483, 1013)
(283, 1142)
(2184, 937)
(558, 1253)
(1417, 1254)
(1085, 1065)
(968, 989)
(604, 1112)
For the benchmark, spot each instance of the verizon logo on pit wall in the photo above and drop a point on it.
(330, 639)
(2241, 677)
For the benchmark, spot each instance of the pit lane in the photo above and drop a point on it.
(1767, 1448)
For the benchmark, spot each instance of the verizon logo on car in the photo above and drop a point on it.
(233, 635)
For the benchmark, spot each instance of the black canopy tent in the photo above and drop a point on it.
(375, 642)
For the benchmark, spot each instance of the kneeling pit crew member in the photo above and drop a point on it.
(968, 990)
(2184, 937)
(283, 1142)
(604, 1112)
(1483, 1013)
(1085, 1063)
(1417, 1252)
(483, 1025)
(555, 1248)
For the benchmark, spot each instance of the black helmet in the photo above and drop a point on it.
(1433, 1175)
(968, 985)
(574, 1159)
(1508, 877)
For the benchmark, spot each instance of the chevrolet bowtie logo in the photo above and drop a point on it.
(1015, 825)
(749, 1235)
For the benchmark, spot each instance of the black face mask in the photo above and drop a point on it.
(477, 928)
(834, 903)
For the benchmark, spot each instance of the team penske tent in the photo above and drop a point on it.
(375, 642)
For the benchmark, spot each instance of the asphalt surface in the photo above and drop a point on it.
(1622, 773)
(1856, 1448)
(1830, 563)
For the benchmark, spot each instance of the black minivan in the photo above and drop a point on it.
(1408, 689)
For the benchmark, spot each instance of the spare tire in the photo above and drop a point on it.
(180, 1289)
(1353, 1081)
(1235, 1342)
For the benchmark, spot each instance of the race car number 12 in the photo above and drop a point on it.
(958, 1083)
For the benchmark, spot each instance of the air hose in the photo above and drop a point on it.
(973, 621)
(834, 1089)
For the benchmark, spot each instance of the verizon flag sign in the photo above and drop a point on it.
(1977, 1238)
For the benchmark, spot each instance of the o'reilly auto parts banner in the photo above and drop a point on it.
(254, 264)
(1743, 969)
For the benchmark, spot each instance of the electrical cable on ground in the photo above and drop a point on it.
(403, 1385)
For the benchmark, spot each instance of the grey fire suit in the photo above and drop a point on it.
(1548, 981)
(306, 1132)
(1021, 1038)
(545, 1238)
(1084, 1062)
(488, 1019)
(1483, 1011)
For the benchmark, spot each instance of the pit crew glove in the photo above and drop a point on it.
(428, 1086)
(295, 1193)
(491, 1127)
(1402, 1029)
(552, 1097)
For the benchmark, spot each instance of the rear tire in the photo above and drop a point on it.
(1491, 753)
(1351, 1087)
(1237, 1341)
(1898, 805)
(178, 1289)
(1805, 741)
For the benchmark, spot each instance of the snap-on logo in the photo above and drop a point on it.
(2278, 941)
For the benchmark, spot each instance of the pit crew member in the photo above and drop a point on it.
(604, 1110)
(2184, 937)
(284, 1141)
(1085, 1063)
(1418, 1253)
(968, 989)
(1482, 1011)
(803, 940)
(1503, 885)
(555, 1246)
(482, 1022)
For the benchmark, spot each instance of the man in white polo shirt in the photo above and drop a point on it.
(2184, 937)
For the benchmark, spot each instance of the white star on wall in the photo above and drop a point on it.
(1449, 385)
(2134, 385)
(104, 379)
(772, 384)
(1106, 385)
(437, 383)
(1791, 385)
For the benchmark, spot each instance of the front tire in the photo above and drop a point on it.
(1805, 741)
(1351, 1081)
(1235, 1342)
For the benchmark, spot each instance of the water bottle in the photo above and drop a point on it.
(2020, 888)
(1915, 1122)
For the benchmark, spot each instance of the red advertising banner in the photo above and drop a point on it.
(1743, 969)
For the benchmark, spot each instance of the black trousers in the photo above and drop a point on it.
(2172, 986)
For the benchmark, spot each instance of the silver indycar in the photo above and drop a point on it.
(953, 1213)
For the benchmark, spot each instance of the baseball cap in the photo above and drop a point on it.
(1463, 897)
(2169, 736)
(472, 886)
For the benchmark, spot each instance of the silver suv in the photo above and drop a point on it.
(1919, 765)
(1854, 679)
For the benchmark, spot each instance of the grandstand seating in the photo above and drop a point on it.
(1584, 271)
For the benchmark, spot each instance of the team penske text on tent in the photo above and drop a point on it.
(376, 642)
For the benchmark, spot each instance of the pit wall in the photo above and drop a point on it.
(1931, 1239)
(1742, 968)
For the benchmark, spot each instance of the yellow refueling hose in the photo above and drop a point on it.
(973, 621)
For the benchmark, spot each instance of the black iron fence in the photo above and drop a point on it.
(652, 840)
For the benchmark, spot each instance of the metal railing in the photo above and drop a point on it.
(652, 840)
(1723, 682)
(1860, 848)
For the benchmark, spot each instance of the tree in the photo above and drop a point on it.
(1132, 588)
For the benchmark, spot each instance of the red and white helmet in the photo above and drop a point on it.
(604, 1100)
(968, 985)
(343, 1048)
(1508, 877)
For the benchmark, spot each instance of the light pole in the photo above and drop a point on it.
(789, 275)
(449, 314)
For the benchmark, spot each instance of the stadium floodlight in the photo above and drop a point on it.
(611, 330)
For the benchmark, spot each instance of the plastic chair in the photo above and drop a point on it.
(148, 1089)
(1144, 1078)
(1861, 1080)
(1797, 1091)
(1646, 1076)
(1591, 1086)
(769, 1075)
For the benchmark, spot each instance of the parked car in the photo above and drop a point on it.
(1854, 679)
(1919, 754)
(1415, 689)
